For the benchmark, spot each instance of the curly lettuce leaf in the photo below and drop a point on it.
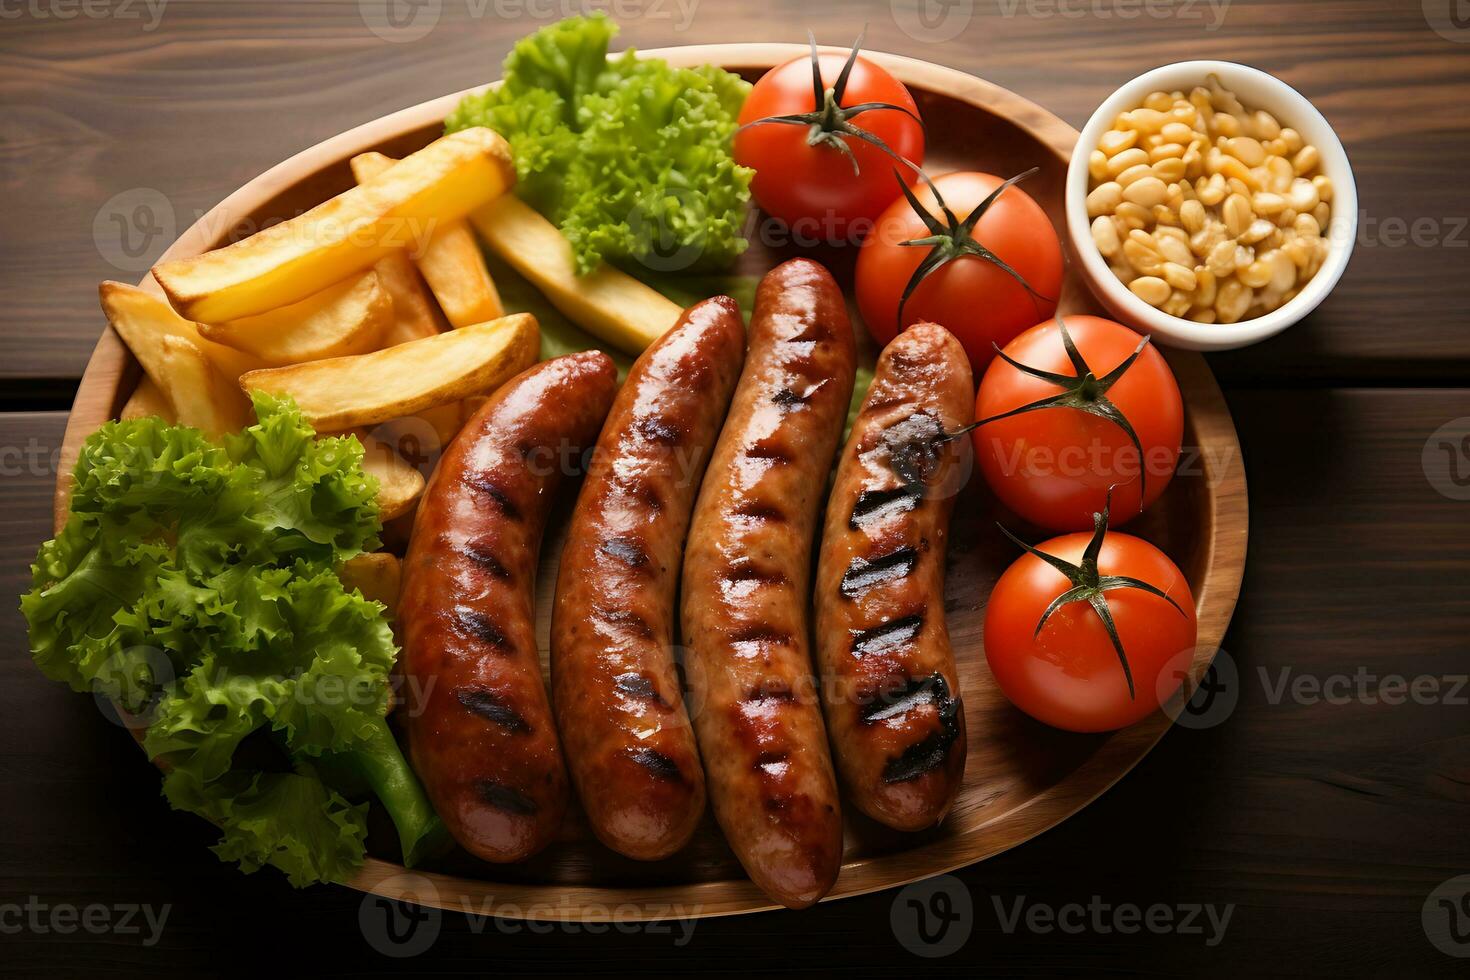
(631, 158)
(291, 821)
(195, 584)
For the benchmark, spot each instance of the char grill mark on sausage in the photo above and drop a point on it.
(787, 397)
(476, 625)
(482, 483)
(757, 511)
(747, 573)
(626, 550)
(626, 620)
(874, 506)
(481, 555)
(770, 691)
(659, 431)
(489, 705)
(888, 636)
(865, 573)
(505, 798)
(639, 687)
(769, 451)
(929, 752)
(913, 447)
(658, 764)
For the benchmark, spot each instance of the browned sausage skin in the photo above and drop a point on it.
(889, 685)
(615, 685)
(479, 723)
(747, 571)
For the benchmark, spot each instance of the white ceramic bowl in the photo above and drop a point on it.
(1257, 90)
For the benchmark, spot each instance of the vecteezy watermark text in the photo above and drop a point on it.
(405, 21)
(410, 926)
(1100, 917)
(42, 918)
(148, 11)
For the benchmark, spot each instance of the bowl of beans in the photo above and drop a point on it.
(1210, 204)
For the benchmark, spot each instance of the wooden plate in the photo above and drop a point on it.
(1021, 777)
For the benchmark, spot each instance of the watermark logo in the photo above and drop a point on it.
(131, 229)
(402, 927)
(1202, 701)
(130, 685)
(660, 225)
(1450, 19)
(1446, 459)
(1446, 917)
(932, 21)
(933, 917)
(400, 21)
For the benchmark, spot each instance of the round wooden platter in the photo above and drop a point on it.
(1021, 777)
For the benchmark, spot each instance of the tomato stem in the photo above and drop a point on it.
(830, 122)
(952, 238)
(1083, 391)
(1091, 586)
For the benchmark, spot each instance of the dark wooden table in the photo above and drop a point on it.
(1320, 813)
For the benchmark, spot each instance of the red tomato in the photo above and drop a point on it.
(813, 189)
(1054, 466)
(972, 297)
(1069, 675)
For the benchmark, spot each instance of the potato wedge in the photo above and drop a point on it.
(450, 261)
(137, 315)
(399, 208)
(347, 318)
(200, 395)
(611, 304)
(377, 575)
(147, 400)
(414, 313)
(343, 392)
(166, 345)
(399, 482)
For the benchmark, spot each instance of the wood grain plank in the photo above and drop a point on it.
(175, 117)
(1325, 825)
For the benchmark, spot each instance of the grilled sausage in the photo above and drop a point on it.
(747, 572)
(890, 692)
(614, 682)
(479, 723)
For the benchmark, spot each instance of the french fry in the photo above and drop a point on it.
(200, 395)
(399, 483)
(146, 400)
(345, 392)
(177, 359)
(609, 303)
(399, 208)
(144, 313)
(450, 261)
(414, 314)
(347, 318)
(376, 574)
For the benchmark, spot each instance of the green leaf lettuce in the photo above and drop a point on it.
(195, 585)
(630, 157)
